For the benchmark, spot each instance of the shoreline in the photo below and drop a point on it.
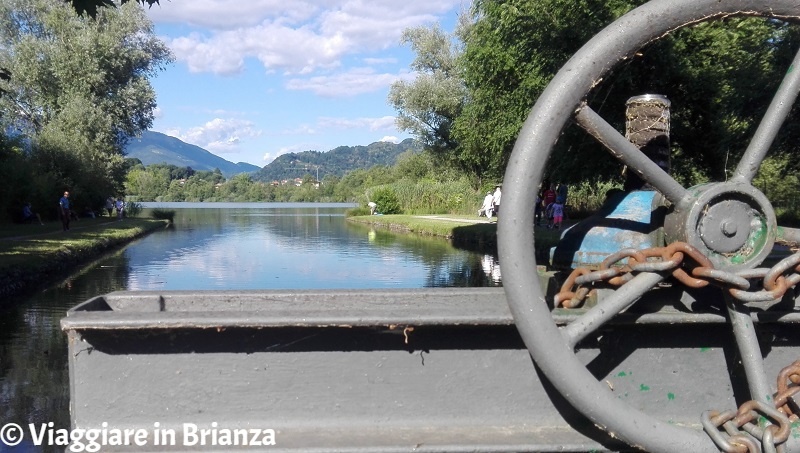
(31, 261)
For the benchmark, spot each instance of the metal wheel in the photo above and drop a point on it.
(749, 226)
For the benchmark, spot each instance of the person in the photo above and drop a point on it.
(488, 205)
(28, 215)
(561, 193)
(110, 205)
(558, 213)
(120, 208)
(373, 207)
(538, 208)
(496, 199)
(63, 205)
(548, 196)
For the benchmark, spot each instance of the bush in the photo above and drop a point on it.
(361, 210)
(133, 209)
(163, 214)
(387, 200)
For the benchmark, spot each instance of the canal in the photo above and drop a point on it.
(223, 246)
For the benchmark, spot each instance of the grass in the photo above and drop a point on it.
(32, 253)
(471, 233)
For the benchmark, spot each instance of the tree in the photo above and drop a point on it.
(83, 108)
(89, 7)
(718, 75)
(428, 105)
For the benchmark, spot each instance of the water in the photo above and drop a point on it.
(220, 246)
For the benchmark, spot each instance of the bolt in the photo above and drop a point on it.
(729, 228)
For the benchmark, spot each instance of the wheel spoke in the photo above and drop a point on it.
(746, 340)
(606, 310)
(788, 236)
(621, 148)
(773, 119)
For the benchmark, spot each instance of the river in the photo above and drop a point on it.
(218, 246)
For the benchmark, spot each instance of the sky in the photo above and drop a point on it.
(259, 78)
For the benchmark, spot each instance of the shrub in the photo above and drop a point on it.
(133, 209)
(360, 210)
(163, 214)
(387, 200)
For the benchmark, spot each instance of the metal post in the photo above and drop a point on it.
(647, 127)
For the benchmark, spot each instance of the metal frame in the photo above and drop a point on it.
(561, 102)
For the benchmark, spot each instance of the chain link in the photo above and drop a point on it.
(739, 426)
(689, 266)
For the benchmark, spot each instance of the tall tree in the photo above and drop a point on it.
(428, 104)
(719, 77)
(79, 87)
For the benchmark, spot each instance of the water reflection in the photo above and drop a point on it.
(225, 248)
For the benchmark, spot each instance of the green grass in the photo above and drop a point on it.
(32, 249)
(465, 231)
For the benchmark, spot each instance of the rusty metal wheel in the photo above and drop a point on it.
(749, 231)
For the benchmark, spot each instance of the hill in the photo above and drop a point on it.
(156, 148)
(337, 161)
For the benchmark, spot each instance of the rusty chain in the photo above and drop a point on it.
(689, 266)
(738, 424)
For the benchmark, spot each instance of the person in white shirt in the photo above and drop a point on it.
(488, 205)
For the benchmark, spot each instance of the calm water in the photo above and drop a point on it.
(218, 246)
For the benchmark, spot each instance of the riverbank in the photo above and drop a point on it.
(471, 233)
(32, 255)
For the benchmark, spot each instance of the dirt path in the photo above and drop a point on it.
(459, 220)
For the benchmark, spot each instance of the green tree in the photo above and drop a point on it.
(428, 104)
(718, 75)
(72, 108)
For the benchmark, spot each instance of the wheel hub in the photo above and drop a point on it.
(731, 223)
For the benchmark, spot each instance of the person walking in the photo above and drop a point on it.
(496, 199)
(558, 213)
(63, 205)
(120, 208)
(110, 205)
(488, 205)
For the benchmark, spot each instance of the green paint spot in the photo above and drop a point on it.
(621, 374)
(644, 388)
(670, 396)
(769, 397)
(705, 349)
(791, 68)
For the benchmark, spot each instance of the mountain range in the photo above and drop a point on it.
(155, 148)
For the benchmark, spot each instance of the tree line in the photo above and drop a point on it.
(475, 87)
(74, 86)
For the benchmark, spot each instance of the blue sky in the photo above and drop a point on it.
(255, 79)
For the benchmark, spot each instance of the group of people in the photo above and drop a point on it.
(491, 203)
(67, 214)
(551, 201)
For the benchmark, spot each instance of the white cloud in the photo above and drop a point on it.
(390, 138)
(373, 124)
(297, 37)
(228, 14)
(350, 83)
(269, 157)
(157, 112)
(218, 135)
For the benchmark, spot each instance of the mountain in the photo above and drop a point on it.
(337, 161)
(156, 148)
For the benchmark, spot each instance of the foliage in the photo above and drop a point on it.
(72, 115)
(163, 214)
(133, 209)
(719, 77)
(428, 105)
(357, 211)
(386, 199)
